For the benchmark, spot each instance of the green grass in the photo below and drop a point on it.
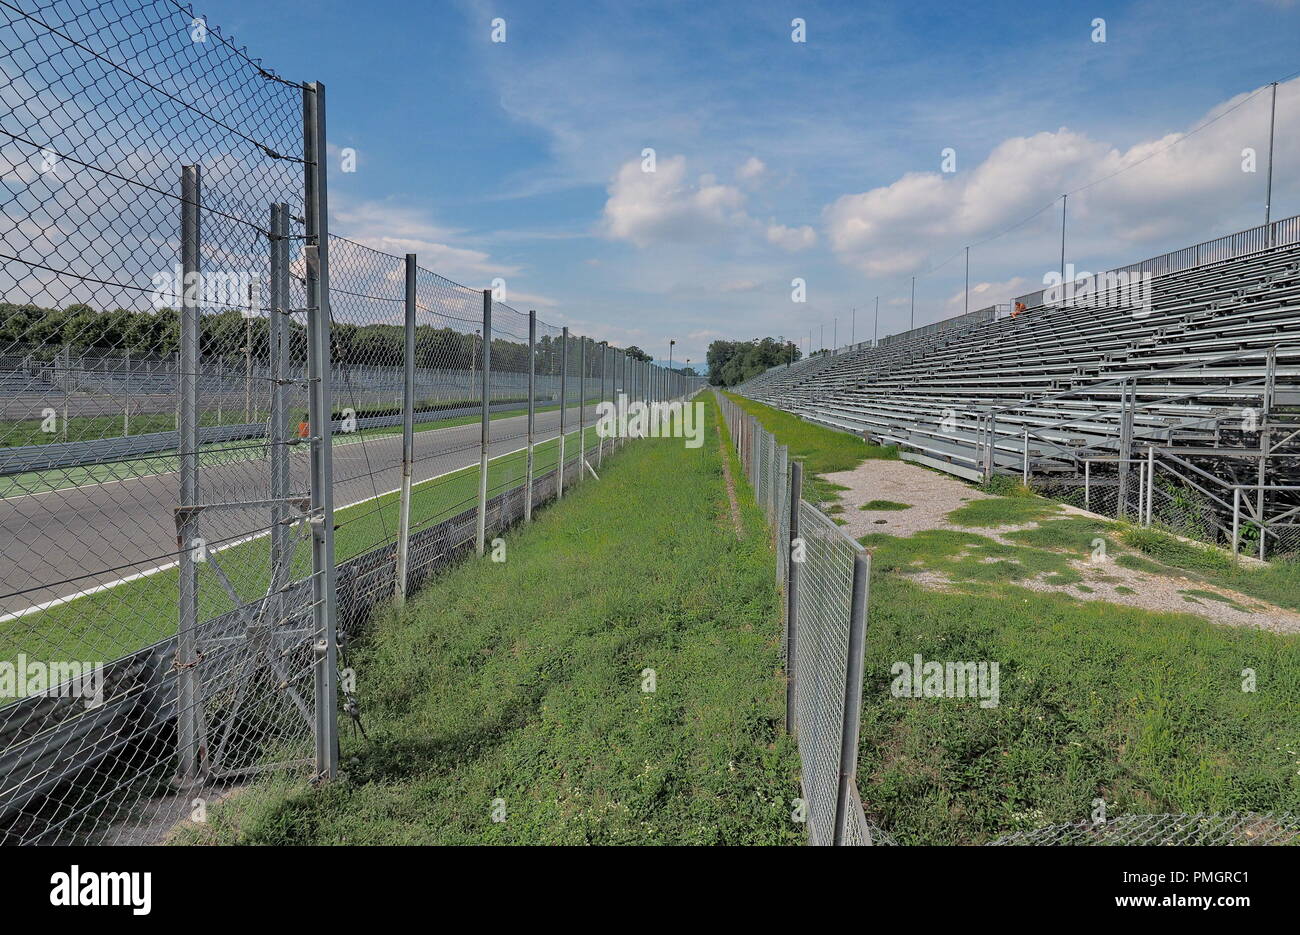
(1003, 511)
(1277, 581)
(18, 432)
(35, 482)
(522, 682)
(1076, 534)
(1174, 552)
(1097, 700)
(110, 623)
(885, 505)
(1214, 596)
(967, 557)
(822, 450)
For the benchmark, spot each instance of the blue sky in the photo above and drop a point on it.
(774, 159)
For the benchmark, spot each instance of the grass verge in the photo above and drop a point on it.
(822, 450)
(39, 482)
(519, 685)
(1149, 711)
(125, 617)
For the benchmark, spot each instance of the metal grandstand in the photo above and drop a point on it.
(1185, 411)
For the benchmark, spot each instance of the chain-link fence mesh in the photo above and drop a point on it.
(823, 585)
(823, 614)
(1227, 830)
(109, 391)
(823, 562)
(167, 463)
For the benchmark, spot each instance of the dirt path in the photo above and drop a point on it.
(725, 455)
(932, 496)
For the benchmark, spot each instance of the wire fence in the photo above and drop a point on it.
(825, 574)
(226, 435)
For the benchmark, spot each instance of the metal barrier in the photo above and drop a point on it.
(178, 582)
(1230, 247)
(826, 575)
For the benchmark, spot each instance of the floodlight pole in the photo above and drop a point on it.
(1063, 200)
(1268, 196)
(967, 311)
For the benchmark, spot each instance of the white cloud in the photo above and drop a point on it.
(652, 207)
(791, 238)
(1167, 195)
(751, 170)
(399, 230)
(984, 294)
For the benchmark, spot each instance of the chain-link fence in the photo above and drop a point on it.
(1227, 830)
(225, 434)
(823, 571)
(153, 639)
(825, 574)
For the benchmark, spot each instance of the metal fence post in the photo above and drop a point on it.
(408, 430)
(191, 746)
(853, 675)
(626, 390)
(604, 370)
(1129, 402)
(1236, 520)
(532, 413)
(564, 406)
(771, 477)
(485, 432)
(792, 600)
(278, 327)
(989, 463)
(1151, 482)
(320, 415)
(126, 408)
(582, 401)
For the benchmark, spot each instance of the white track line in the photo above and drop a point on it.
(66, 599)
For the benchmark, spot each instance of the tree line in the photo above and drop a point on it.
(45, 332)
(733, 362)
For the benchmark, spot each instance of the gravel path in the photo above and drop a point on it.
(932, 496)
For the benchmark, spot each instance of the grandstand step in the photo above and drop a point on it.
(955, 469)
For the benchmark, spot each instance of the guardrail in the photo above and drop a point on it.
(26, 458)
(825, 574)
(1232, 246)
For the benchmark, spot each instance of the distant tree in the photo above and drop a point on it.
(636, 353)
(733, 362)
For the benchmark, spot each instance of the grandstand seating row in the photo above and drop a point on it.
(1204, 350)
